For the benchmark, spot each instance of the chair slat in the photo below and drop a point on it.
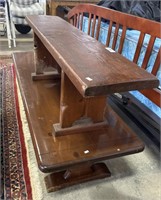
(109, 34)
(148, 52)
(71, 21)
(89, 23)
(153, 94)
(81, 22)
(115, 36)
(93, 25)
(157, 63)
(122, 39)
(77, 21)
(98, 28)
(138, 48)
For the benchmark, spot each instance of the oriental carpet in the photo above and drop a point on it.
(14, 175)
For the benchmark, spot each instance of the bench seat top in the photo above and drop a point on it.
(92, 68)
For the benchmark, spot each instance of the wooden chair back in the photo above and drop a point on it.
(124, 21)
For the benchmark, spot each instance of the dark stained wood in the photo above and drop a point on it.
(99, 78)
(70, 98)
(80, 127)
(98, 28)
(115, 36)
(154, 95)
(78, 174)
(74, 107)
(45, 75)
(138, 48)
(43, 58)
(148, 52)
(109, 34)
(142, 24)
(77, 20)
(89, 72)
(122, 39)
(81, 22)
(41, 100)
(89, 23)
(116, 19)
(157, 63)
(93, 25)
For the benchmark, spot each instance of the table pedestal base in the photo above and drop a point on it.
(75, 175)
(58, 131)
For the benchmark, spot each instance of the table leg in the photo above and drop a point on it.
(78, 113)
(74, 175)
(45, 65)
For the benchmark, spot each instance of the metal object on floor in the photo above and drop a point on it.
(7, 26)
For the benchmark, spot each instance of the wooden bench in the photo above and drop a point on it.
(116, 19)
(71, 124)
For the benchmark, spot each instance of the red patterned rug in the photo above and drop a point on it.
(15, 179)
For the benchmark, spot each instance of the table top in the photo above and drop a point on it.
(42, 102)
(92, 68)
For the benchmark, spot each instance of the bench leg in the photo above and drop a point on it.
(45, 65)
(75, 175)
(78, 113)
